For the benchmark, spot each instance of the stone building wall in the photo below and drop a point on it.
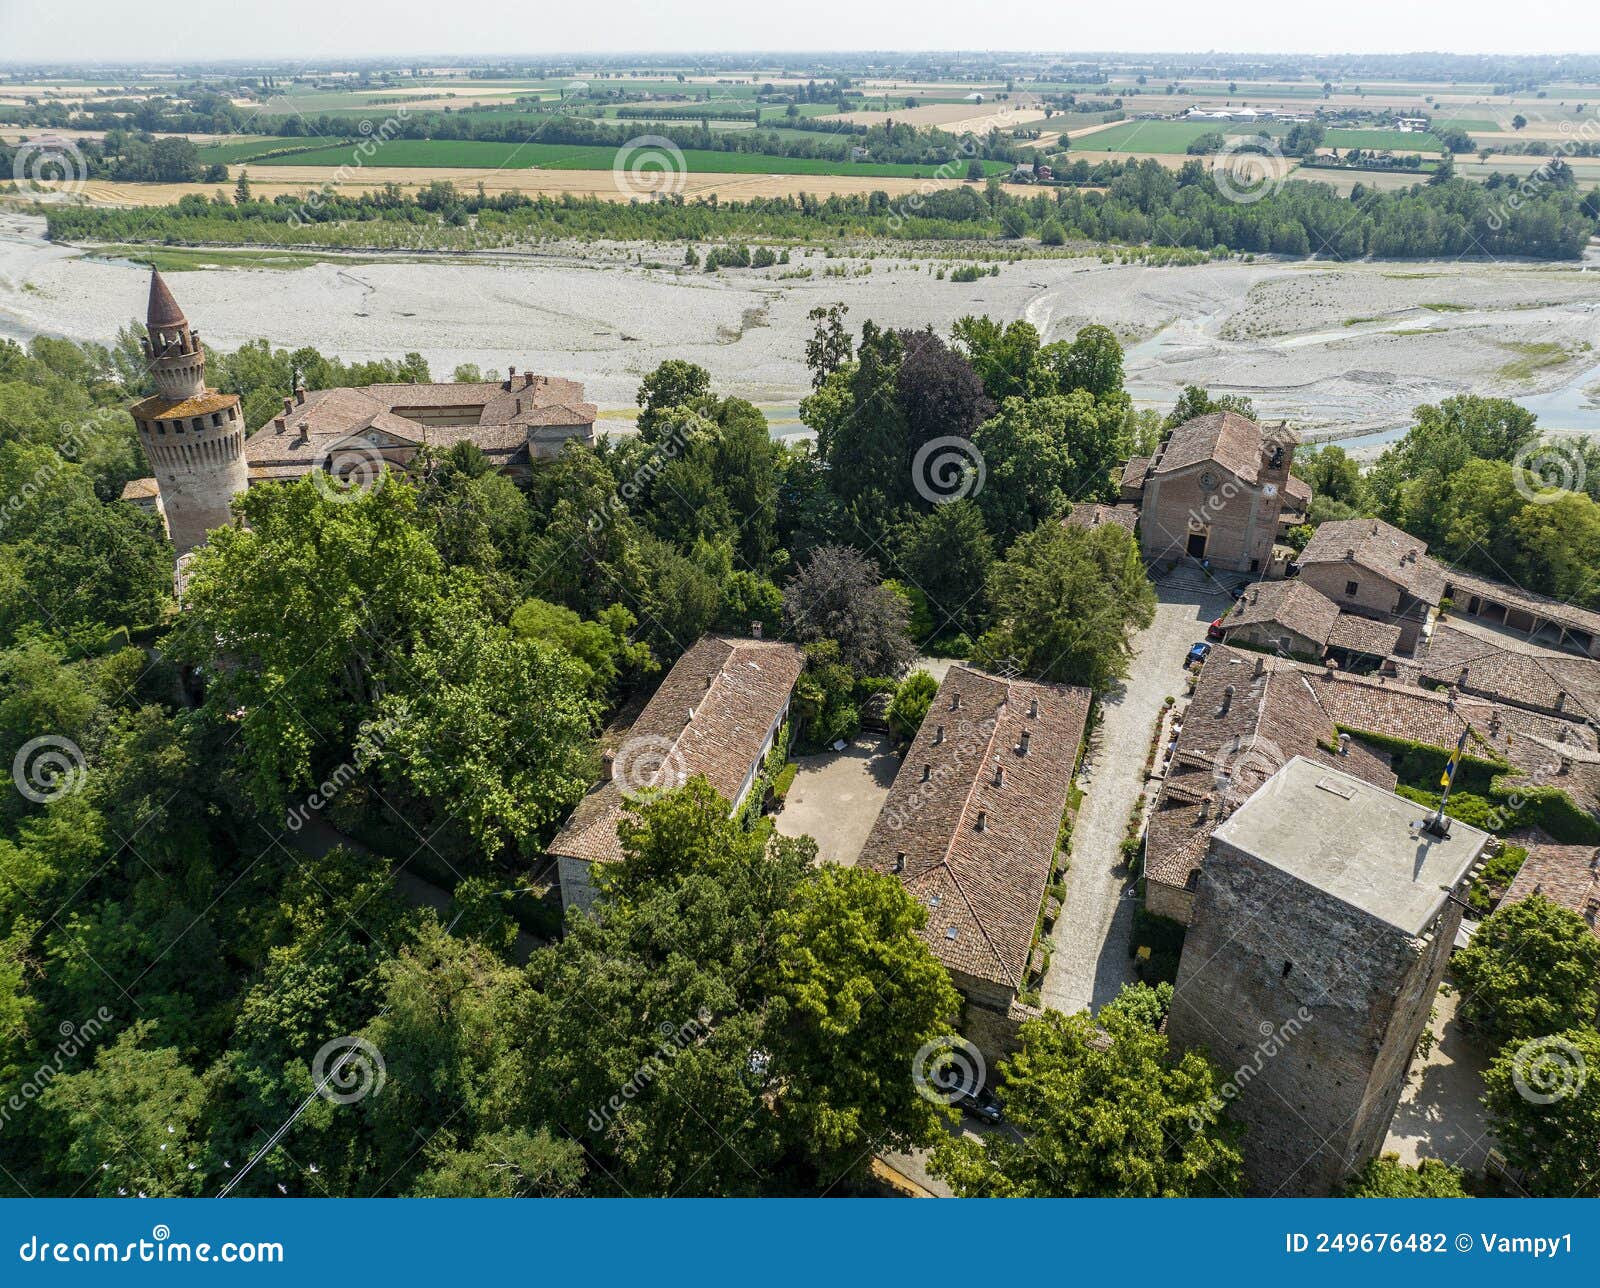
(1239, 523)
(1311, 1008)
(199, 471)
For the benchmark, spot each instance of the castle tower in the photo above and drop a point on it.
(192, 437)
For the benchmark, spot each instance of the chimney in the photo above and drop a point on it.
(1227, 700)
(938, 735)
(1033, 711)
(1566, 765)
(900, 861)
(1561, 700)
(927, 771)
(300, 394)
(511, 376)
(1344, 744)
(305, 432)
(755, 630)
(955, 701)
(1205, 807)
(999, 775)
(1022, 743)
(1261, 665)
(288, 406)
(1350, 553)
(278, 425)
(983, 820)
(529, 380)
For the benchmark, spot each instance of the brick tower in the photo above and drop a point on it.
(193, 437)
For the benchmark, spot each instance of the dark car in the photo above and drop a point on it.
(1197, 654)
(982, 1104)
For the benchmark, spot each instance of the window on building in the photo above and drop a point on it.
(1350, 588)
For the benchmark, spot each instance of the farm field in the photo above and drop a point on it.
(475, 154)
(1174, 137)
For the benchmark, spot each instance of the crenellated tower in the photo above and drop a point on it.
(193, 437)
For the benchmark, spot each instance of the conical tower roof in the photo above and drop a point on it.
(164, 313)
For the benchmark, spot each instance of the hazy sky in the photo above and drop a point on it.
(72, 30)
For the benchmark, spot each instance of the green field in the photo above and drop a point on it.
(1170, 137)
(444, 153)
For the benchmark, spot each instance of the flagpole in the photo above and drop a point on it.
(1436, 826)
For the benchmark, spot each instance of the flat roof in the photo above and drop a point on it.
(1353, 841)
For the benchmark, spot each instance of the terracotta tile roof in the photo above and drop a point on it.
(1378, 547)
(1298, 491)
(1462, 585)
(1091, 514)
(506, 411)
(983, 888)
(155, 407)
(1357, 634)
(1231, 440)
(140, 490)
(1230, 744)
(1133, 473)
(162, 312)
(1554, 683)
(1295, 604)
(710, 716)
(1568, 875)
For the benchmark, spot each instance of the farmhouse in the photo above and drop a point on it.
(970, 828)
(1218, 489)
(717, 714)
(1374, 570)
(1322, 924)
(1544, 620)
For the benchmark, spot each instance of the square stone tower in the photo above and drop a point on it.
(1322, 923)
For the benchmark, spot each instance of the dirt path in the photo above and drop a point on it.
(1092, 935)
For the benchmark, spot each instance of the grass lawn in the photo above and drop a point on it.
(1168, 137)
(475, 154)
(1383, 140)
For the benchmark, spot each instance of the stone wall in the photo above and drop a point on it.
(1239, 523)
(1311, 1008)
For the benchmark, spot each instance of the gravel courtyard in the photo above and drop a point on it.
(836, 796)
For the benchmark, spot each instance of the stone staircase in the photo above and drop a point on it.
(1190, 577)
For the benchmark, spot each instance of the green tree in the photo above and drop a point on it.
(1067, 602)
(1532, 969)
(838, 595)
(912, 699)
(1387, 1177)
(1102, 1109)
(603, 646)
(1544, 1106)
(675, 383)
(946, 553)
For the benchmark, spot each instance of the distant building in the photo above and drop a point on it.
(717, 714)
(1544, 620)
(1218, 489)
(1092, 514)
(195, 438)
(1322, 924)
(970, 828)
(1375, 570)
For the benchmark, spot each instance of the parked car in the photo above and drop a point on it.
(968, 1095)
(1198, 652)
(1214, 631)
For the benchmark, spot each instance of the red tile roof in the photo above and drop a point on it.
(1381, 548)
(977, 850)
(1568, 875)
(710, 716)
